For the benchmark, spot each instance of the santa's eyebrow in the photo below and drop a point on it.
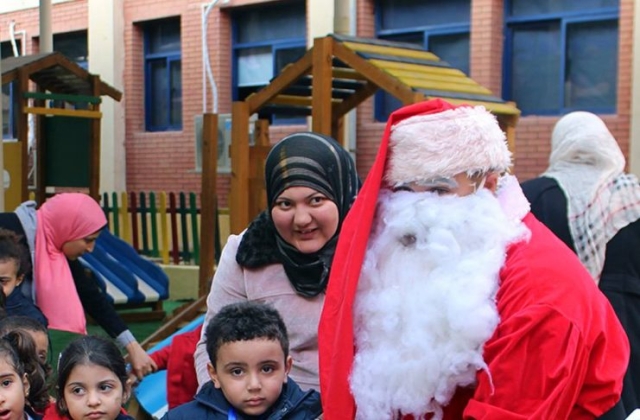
(440, 181)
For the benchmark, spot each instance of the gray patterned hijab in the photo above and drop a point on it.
(301, 160)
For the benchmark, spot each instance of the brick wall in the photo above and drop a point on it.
(166, 160)
(65, 17)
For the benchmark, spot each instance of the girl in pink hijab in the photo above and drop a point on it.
(61, 230)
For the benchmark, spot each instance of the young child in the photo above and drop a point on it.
(249, 364)
(36, 330)
(23, 391)
(14, 265)
(92, 382)
(177, 359)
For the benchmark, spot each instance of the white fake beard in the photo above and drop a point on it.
(426, 300)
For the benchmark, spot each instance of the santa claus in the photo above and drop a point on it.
(448, 299)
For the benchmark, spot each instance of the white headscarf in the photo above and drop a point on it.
(588, 164)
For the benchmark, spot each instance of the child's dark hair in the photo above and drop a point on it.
(88, 350)
(19, 351)
(12, 249)
(242, 322)
(21, 322)
(3, 304)
(25, 323)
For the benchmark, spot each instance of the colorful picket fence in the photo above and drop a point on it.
(161, 226)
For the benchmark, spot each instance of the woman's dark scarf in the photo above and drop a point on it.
(301, 160)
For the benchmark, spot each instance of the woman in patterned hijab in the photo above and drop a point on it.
(284, 257)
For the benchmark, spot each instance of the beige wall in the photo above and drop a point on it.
(106, 58)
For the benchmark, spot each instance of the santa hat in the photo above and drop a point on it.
(468, 140)
(444, 141)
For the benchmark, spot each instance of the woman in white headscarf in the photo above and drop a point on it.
(592, 205)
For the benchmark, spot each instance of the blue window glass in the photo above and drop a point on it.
(265, 40)
(541, 7)
(439, 26)
(163, 75)
(74, 46)
(562, 56)
(9, 99)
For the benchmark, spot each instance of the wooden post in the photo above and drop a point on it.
(239, 210)
(259, 152)
(208, 201)
(41, 142)
(23, 134)
(321, 85)
(94, 147)
(337, 129)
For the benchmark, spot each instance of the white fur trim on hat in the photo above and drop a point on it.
(460, 140)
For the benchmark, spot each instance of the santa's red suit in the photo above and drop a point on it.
(558, 351)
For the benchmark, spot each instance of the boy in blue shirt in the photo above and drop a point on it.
(249, 364)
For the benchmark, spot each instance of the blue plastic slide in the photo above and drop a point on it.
(151, 393)
(124, 275)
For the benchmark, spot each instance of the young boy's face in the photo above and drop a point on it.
(251, 374)
(9, 276)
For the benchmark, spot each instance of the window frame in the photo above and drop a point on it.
(151, 58)
(427, 31)
(564, 19)
(11, 127)
(275, 45)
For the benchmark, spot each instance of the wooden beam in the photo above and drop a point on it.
(208, 201)
(346, 73)
(287, 76)
(187, 314)
(374, 74)
(23, 132)
(322, 76)
(239, 216)
(63, 97)
(337, 128)
(94, 146)
(300, 101)
(258, 156)
(392, 51)
(63, 112)
(495, 107)
(354, 100)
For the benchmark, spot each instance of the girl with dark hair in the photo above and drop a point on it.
(23, 393)
(92, 382)
(284, 257)
(38, 333)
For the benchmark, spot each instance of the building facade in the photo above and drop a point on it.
(548, 57)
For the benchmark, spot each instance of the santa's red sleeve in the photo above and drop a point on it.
(541, 367)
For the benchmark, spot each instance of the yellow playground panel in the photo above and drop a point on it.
(12, 151)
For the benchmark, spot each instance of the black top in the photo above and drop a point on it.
(94, 301)
(620, 278)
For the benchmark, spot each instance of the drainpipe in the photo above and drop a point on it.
(46, 35)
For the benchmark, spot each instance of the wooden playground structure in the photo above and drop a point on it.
(65, 100)
(336, 75)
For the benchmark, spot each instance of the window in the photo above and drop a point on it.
(561, 55)
(74, 46)
(439, 26)
(9, 99)
(265, 40)
(163, 75)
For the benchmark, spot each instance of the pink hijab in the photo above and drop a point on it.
(63, 218)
